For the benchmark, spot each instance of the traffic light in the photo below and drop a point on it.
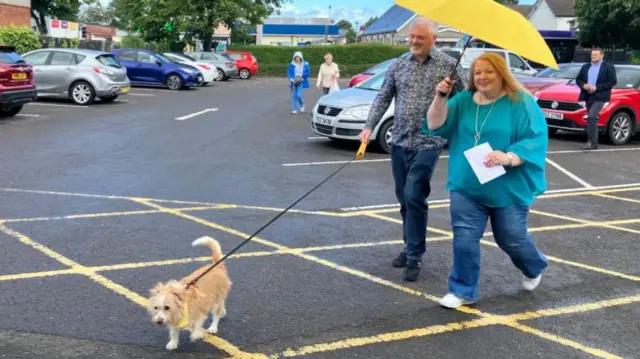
(83, 28)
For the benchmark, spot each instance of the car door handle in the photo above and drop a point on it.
(68, 69)
(37, 70)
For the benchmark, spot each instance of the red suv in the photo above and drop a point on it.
(16, 82)
(618, 120)
(246, 63)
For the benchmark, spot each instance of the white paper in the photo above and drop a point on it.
(476, 157)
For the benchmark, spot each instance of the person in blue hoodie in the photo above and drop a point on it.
(298, 73)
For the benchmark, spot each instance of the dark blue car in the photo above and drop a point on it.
(147, 68)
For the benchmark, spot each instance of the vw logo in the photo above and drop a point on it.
(554, 105)
(327, 110)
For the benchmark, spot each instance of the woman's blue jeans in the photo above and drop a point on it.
(296, 97)
(509, 225)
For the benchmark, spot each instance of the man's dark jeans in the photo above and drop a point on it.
(412, 172)
(594, 107)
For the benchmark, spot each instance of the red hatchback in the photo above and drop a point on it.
(16, 82)
(619, 119)
(246, 63)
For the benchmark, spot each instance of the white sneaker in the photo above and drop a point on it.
(452, 301)
(531, 283)
(302, 109)
(294, 111)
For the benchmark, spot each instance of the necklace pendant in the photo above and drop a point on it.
(477, 137)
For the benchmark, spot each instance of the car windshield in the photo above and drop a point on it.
(565, 72)
(179, 57)
(373, 83)
(109, 60)
(9, 57)
(164, 58)
(380, 67)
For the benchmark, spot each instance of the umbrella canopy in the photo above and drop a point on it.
(488, 21)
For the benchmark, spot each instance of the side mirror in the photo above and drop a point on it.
(158, 63)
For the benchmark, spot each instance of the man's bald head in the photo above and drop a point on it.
(422, 37)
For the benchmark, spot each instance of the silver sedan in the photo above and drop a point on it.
(81, 75)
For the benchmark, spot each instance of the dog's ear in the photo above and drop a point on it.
(156, 290)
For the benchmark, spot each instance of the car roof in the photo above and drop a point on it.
(77, 51)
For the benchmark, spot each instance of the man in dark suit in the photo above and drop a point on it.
(595, 79)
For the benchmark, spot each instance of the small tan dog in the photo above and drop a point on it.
(179, 307)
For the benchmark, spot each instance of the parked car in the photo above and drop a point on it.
(209, 73)
(342, 115)
(618, 120)
(246, 63)
(518, 65)
(363, 76)
(550, 76)
(225, 65)
(147, 68)
(78, 74)
(16, 82)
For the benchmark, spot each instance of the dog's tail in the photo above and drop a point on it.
(216, 251)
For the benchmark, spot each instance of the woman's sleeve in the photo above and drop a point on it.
(531, 138)
(450, 124)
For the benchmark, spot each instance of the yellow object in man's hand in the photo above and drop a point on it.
(361, 150)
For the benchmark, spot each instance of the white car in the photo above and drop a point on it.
(209, 73)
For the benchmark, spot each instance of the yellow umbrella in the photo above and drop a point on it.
(488, 21)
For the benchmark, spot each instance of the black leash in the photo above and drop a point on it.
(358, 156)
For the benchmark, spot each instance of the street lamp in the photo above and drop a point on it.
(326, 27)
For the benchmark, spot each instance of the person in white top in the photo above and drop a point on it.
(328, 74)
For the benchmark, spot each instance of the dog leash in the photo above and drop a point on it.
(359, 155)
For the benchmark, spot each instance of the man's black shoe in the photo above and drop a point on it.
(412, 271)
(400, 261)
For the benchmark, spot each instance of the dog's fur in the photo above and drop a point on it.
(208, 295)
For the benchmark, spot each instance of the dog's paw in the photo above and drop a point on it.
(212, 329)
(172, 345)
(196, 335)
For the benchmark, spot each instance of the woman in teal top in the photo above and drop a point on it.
(498, 111)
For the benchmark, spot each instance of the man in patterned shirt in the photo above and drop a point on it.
(411, 79)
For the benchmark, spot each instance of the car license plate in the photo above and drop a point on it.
(125, 89)
(553, 115)
(323, 121)
(19, 76)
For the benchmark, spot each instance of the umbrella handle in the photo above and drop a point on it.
(453, 72)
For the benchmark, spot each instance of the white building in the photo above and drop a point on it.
(553, 15)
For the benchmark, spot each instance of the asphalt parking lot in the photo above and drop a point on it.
(99, 203)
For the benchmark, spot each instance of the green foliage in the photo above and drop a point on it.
(351, 59)
(23, 38)
(280, 70)
(608, 22)
(353, 54)
(133, 42)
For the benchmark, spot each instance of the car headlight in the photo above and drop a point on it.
(361, 111)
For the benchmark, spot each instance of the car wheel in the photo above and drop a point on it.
(221, 76)
(244, 74)
(6, 112)
(82, 93)
(174, 82)
(384, 137)
(109, 98)
(200, 80)
(620, 128)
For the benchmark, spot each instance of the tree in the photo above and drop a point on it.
(344, 25)
(608, 22)
(61, 9)
(96, 14)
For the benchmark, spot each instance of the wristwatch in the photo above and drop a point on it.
(510, 157)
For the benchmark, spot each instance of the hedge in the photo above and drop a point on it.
(351, 59)
(23, 38)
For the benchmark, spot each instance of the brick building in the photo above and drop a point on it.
(15, 12)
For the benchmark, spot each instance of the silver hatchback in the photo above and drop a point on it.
(81, 75)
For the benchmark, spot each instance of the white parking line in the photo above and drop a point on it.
(387, 159)
(315, 138)
(185, 117)
(54, 105)
(569, 174)
(141, 94)
(27, 115)
(565, 190)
